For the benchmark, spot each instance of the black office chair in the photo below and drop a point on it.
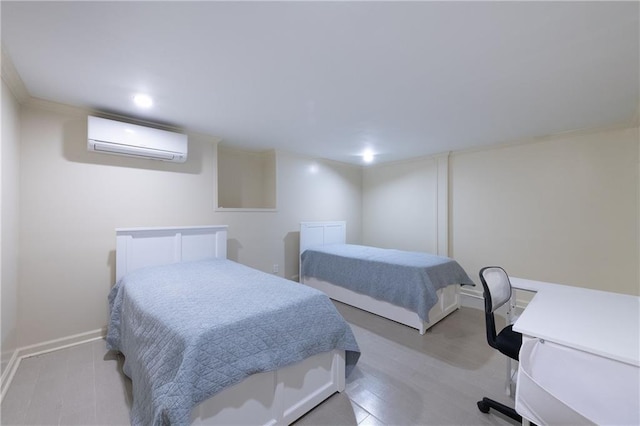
(497, 292)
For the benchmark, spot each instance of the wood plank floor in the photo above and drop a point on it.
(402, 378)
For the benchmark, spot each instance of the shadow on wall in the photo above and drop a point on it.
(74, 148)
(111, 263)
(233, 249)
(292, 255)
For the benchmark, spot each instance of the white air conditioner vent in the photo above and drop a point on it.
(119, 138)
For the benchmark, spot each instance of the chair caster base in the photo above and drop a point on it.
(483, 406)
(486, 404)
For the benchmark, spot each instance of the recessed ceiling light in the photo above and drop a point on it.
(143, 101)
(367, 156)
(313, 168)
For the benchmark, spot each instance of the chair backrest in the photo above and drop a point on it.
(497, 287)
(497, 292)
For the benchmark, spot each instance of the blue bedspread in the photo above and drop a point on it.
(407, 279)
(189, 330)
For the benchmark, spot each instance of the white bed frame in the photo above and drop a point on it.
(322, 233)
(271, 398)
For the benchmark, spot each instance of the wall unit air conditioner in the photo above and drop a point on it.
(116, 137)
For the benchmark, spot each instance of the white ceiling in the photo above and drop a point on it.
(329, 79)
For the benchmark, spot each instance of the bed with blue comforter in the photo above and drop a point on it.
(190, 330)
(403, 278)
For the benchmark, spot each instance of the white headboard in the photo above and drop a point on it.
(141, 247)
(322, 233)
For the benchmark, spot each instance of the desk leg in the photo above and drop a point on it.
(509, 373)
(510, 320)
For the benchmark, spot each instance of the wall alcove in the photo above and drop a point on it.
(246, 179)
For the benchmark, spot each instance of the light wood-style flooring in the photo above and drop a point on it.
(402, 378)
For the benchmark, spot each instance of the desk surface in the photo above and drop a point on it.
(598, 322)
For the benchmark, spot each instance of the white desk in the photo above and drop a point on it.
(598, 322)
(590, 321)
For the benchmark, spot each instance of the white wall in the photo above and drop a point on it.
(308, 189)
(562, 210)
(9, 218)
(71, 201)
(399, 205)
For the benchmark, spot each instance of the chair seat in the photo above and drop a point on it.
(509, 342)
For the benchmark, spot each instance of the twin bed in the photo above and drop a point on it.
(412, 288)
(210, 341)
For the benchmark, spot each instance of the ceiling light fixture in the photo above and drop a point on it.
(143, 101)
(367, 156)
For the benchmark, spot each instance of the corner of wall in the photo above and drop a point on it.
(42, 348)
(9, 218)
(12, 78)
(8, 373)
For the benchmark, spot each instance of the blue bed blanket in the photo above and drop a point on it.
(404, 278)
(189, 330)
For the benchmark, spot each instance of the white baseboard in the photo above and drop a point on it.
(8, 373)
(471, 299)
(42, 348)
(62, 343)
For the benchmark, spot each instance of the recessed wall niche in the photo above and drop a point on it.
(246, 179)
